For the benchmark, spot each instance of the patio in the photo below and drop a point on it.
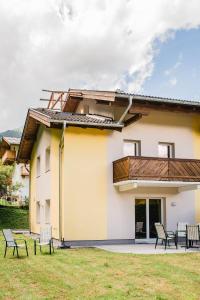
(146, 249)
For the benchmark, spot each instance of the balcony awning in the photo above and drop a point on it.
(134, 184)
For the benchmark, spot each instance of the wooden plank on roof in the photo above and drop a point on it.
(40, 117)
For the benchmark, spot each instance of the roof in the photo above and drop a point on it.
(69, 101)
(57, 119)
(11, 140)
(160, 99)
(90, 120)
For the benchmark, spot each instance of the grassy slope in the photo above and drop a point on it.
(96, 274)
(14, 218)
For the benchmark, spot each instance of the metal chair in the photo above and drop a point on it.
(45, 239)
(164, 236)
(12, 243)
(192, 235)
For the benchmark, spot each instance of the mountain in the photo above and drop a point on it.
(12, 133)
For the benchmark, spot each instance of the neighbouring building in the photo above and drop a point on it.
(106, 166)
(9, 147)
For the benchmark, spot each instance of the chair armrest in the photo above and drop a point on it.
(20, 240)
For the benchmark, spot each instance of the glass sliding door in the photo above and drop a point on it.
(140, 219)
(154, 215)
(147, 213)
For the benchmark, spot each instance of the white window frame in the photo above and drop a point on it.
(170, 149)
(137, 147)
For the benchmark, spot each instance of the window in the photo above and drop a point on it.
(166, 150)
(47, 211)
(47, 165)
(132, 148)
(38, 166)
(38, 212)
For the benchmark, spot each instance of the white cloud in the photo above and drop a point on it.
(173, 81)
(104, 44)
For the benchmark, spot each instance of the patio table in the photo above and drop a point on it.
(183, 232)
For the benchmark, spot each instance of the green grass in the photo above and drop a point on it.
(96, 274)
(13, 217)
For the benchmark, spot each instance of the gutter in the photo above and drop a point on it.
(116, 125)
(61, 145)
(130, 99)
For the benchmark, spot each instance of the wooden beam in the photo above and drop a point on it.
(133, 119)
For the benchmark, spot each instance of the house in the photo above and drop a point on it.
(105, 166)
(9, 147)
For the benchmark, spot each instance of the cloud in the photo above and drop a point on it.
(174, 68)
(173, 81)
(104, 44)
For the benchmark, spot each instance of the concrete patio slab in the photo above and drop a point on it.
(146, 249)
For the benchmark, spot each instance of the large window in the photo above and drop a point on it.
(132, 148)
(47, 212)
(47, 160)
(166, 150)
(38, 166)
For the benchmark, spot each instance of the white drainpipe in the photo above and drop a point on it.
(130, 99)
(60, 180)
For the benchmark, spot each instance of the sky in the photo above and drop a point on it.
(149, 47)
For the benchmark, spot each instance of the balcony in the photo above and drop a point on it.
(8, 157)
(24, 171)
(152, 171)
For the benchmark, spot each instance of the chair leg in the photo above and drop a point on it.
(26, 250)
(165, 244)
(5, 251)
(50, 247)
(17, 252)
(14, 251)
(53, 247)
(35, 247)
(156, 243)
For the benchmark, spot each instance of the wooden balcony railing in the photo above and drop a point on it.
(153, 168)
(24, 171)
(9, 157)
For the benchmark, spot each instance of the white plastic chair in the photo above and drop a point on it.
(45, 239)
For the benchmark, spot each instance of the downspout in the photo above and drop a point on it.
(130, 100)
(60, 181)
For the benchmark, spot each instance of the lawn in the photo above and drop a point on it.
(13, 217)
(96, 274)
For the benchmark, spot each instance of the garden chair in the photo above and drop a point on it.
(45, 239)
(12, 243)
(181, 232)
(164, 236)
(192, 235)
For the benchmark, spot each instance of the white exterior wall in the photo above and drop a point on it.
(24, 180)
(158, 127)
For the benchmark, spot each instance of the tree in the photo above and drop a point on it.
(5, 178)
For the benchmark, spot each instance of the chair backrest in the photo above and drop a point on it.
(181, 226)
(160, 231)
(193, 232)
(139, 226)
(7, 233)
(45, 233)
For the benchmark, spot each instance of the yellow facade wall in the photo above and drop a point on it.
(85, 175)
(196, 136)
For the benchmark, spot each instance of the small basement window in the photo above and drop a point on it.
(47, 158)
(38, 166)
(38, 212)
(47, 212)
